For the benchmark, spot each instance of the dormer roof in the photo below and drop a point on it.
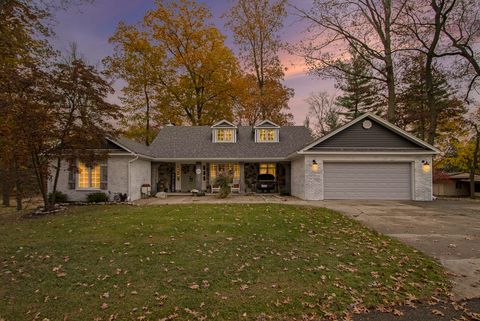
(224, 124)
(266, 124)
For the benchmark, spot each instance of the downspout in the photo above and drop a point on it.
(128, 176)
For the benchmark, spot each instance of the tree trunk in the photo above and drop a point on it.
(147, 115)
(37, 165)
(429, 81)
(474, 164)
(18, 187)
(6, 190)
(55, 180)
(431, 105)
(389, 69)
(18, 193)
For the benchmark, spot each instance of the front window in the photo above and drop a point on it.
(225, 135)
(268, 169)
(225, 169)
(88, 176)
(267, 135)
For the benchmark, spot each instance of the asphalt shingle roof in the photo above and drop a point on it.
(133, 146)
(195, 142)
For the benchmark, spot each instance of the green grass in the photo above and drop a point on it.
(190, 262)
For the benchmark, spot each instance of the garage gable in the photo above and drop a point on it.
(369, 133)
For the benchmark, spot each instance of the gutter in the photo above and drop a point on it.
(129, 197)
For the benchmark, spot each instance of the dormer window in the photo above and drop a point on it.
(225, 135)
(267, 135)
(267, 132)
(224, 132)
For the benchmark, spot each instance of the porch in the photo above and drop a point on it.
(183, 177)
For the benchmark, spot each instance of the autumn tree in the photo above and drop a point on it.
(136, 61)
(366, 27)
(178, 59)
(23, 53)
(414, 101)
(82, 116)
(463, 152)
(249, 101)
(360, 93)
(256, 25)
(323, 113)
(474, 122)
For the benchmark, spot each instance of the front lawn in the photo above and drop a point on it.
(197, 262)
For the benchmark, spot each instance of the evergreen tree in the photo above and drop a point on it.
(414, 114)
(360, 93)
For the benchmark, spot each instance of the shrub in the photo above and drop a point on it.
(98, 197)
(59, 197)
(223, 182)
(200, 194)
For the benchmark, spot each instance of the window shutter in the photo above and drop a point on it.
(71, 177)
(104, 175)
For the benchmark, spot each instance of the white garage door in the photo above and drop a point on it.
(367, 181)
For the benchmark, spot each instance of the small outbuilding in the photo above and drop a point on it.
(455, 184)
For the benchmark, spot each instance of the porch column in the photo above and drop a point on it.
(178, 177)
(242, 178)
(287, 177)
(154, 185)
(198, 176)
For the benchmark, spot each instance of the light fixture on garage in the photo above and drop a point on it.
(425, 166)
(314, 166)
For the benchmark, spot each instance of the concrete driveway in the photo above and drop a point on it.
(448, 230)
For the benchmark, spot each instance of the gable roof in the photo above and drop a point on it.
(382, 137)
(195, 143)
(130, 146)
(266, 124)
(224, 124)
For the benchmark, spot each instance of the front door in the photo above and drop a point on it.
(188, 177)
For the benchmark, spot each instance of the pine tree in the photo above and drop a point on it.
(360, 93)
(414, 114)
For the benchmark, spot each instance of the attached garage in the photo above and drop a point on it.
(367, 159)
(364, 180)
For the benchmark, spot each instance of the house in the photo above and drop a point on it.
(454, 184)
(368, 158)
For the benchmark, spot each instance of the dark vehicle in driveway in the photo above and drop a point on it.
(266, 183)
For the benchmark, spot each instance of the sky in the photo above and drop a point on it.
(90, 26)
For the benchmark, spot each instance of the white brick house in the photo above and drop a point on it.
(367, 158)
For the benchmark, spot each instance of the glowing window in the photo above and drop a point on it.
(267, 135)
(229, 169)
(225, 135)
(213, 172)
(268, 169)
(88, 176)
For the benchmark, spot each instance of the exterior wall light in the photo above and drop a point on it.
(425, 166)
(314, 166)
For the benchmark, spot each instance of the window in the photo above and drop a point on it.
(225, 135)
(213, 172)
(229, 169)
(267, 135)
(268, 169)
(88, 176)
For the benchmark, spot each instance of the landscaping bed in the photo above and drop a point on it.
(197, 262)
